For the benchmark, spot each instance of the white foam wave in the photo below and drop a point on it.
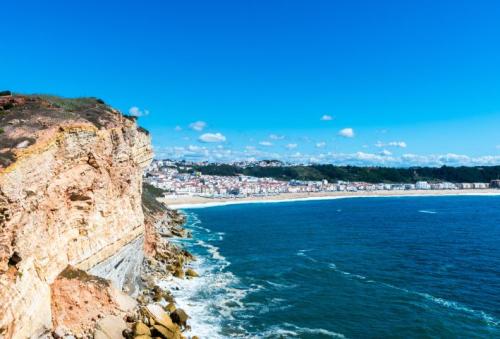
(281, 286)
(487, 318)
(211, 299)
(302, 253)
(351, 275)
(290, 330)
(490, 320)
(427, 212)
(214, 251)
(277, 332)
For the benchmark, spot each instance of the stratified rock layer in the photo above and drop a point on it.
(70, 194)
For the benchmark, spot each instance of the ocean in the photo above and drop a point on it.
(397, 267)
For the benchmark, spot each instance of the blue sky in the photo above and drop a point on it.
(404, 82)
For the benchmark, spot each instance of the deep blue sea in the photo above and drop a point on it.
(355, 268)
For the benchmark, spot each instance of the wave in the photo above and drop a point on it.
(427, 212)
(291, 330)
(351, 275)
(302, 253)
(212, 299)
(306, 250)
(215, 300)
(490, 320)
(487, 318)
(214, 252)
(281, 286)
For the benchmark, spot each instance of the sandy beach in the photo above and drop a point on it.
(180, 202)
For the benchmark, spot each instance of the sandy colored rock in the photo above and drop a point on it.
(141, 329)
(159, 315)
(123, 301)
(170, 307)
(79, 299)
(179, 273)
(167, 333)
(191, 273)
(70, 196)
(110, 327)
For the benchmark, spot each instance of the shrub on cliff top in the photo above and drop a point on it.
(71, 104)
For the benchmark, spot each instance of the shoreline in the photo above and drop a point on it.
(191, 202)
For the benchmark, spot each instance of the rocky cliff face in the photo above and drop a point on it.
(70, 194)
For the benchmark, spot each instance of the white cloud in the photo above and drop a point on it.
(347, 133)
(194, 148)
(212, 137)
(326, 117)
(291, 146)
(385, 152)
(178, 128)
(266, 143)
(400, 144)
(137, 112)
(320, 144)
(198, 125)
(200, 152)
(276, 137)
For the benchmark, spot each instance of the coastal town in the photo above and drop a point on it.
(181, 181)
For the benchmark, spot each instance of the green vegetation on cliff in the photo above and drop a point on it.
(149, 202)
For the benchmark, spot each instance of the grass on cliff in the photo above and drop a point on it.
(149, 195)
(72, 104)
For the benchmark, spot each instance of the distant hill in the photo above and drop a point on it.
(355, 173)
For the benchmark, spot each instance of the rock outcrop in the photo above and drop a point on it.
(70, 194)
(79, 300)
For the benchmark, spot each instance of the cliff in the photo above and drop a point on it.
(70, 194)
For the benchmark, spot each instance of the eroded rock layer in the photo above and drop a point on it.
(70, 194)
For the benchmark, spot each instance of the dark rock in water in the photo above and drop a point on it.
(5, 93)
(179, 317)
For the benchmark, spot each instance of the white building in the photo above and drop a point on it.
(422, 185)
